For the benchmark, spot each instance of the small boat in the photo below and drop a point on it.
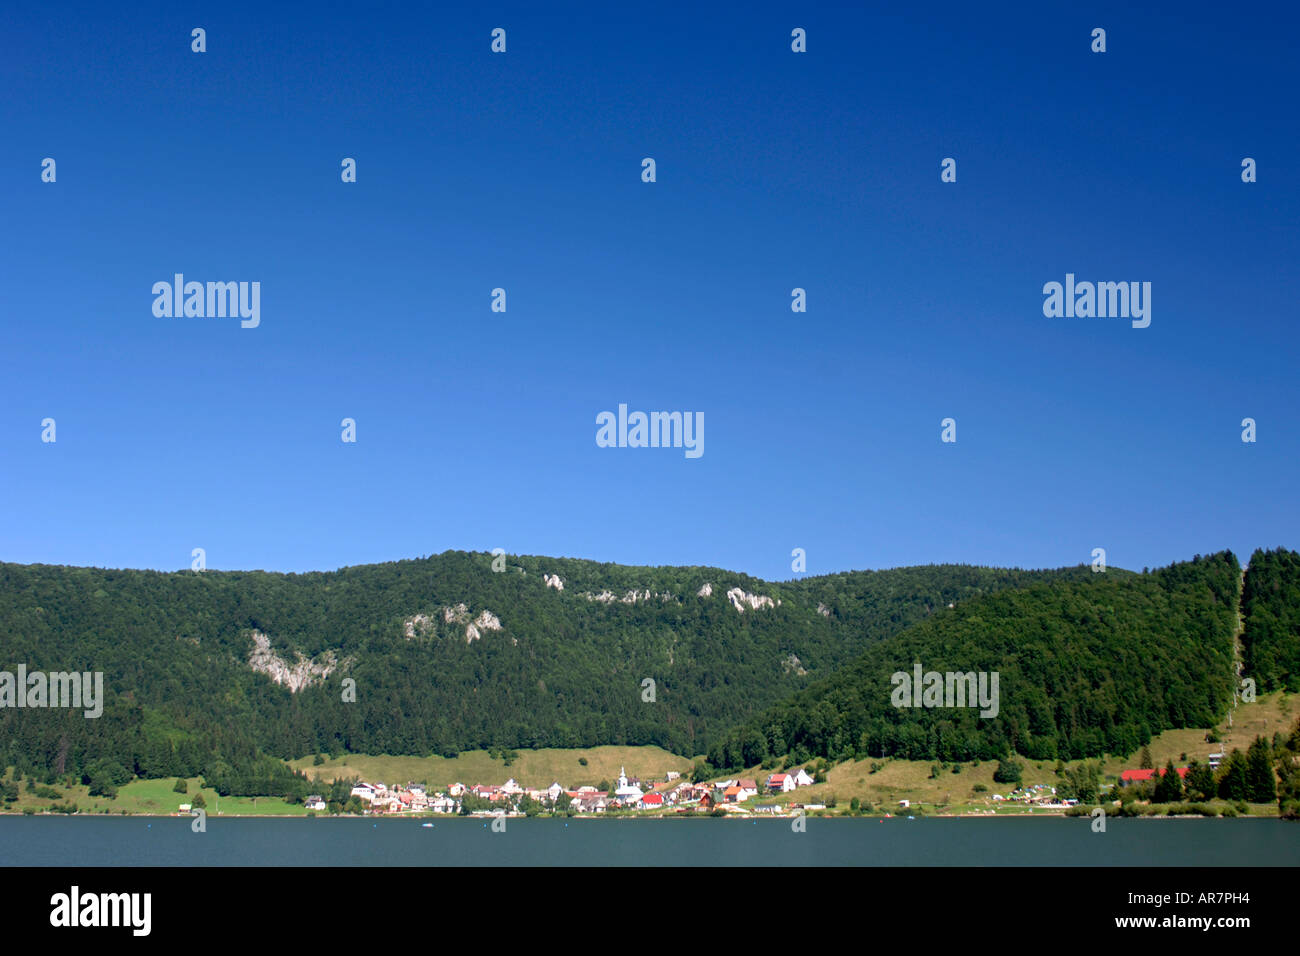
(423, 825)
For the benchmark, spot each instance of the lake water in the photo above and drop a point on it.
(138, 841)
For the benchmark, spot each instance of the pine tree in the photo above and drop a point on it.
(1200, 781)
(1233, 777)
(1169, 788)
(1260, 785)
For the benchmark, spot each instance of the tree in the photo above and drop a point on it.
(1145, 763)
(1169, 788)
(1008, 770)
(1234, 778)
(1260, 785)
(198, 801)
(181, 786)
(1200, 781)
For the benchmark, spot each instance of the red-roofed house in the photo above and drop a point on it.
(1141, 776)
(781, 783)
(653, 800)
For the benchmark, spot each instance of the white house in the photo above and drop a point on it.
(781, 783)
(364, 791)
(315, 802)
(801, 778)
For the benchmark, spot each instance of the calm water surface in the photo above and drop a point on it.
(137, 841)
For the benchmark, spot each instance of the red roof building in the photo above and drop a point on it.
(1140, 776)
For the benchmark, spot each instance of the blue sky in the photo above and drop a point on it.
(775, 170)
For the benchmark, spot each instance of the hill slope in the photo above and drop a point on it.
(1271, 608)
(217, 672)
(1085, 666)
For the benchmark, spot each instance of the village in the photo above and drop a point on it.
(629, 794)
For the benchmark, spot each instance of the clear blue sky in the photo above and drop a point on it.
(775, 170)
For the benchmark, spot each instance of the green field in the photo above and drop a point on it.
(151, 797)
(532, 768)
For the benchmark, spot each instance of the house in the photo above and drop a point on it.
(363, 791)
(672, 775)
(802, 778)
(781, 783)
(443, 805)
(553, 792)
(385, 805)
(653, 801)
(1130, 777)
(748, 787)
(1215, 760)
(732, 794)
(315, 802)
(455, 790)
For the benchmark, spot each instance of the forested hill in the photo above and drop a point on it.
(447, 654)
(1271, 607)
(1091, 665)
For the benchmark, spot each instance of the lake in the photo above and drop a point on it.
(168, 841)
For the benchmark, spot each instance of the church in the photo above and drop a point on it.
(627, 794)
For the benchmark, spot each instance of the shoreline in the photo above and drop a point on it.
(433, 818)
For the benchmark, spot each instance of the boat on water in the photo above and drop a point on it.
(423, 825)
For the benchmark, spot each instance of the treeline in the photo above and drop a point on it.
(1092, 665)
(1271, 605)
(564, 671)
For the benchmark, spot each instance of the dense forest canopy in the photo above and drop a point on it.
(1271, 605)
(466, 650)
(1091, 665)
(544, 666)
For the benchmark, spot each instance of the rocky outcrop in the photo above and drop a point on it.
(706, 591)
(792, 663)
(823, 610)
(740, 597)
(553, 581)
(421, 624)
(301, 673)
(418, 625)
(631, 597)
